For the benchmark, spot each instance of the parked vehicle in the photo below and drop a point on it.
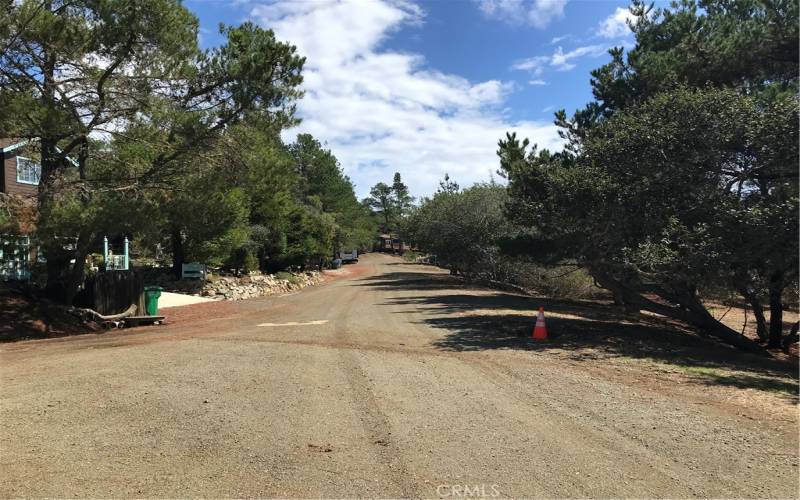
(389, 244)
(348, 256)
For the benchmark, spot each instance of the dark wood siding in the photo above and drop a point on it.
(10, 184)
(3, 143)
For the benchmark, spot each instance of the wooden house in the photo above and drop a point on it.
(21, 173)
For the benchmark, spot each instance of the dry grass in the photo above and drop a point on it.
(742, 320)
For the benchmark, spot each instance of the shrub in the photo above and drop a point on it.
(291, 278)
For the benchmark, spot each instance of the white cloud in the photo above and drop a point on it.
(537, 13)
(509, 9)
(559, 60)
(615, 25)
(537, 82)
(544, 11)
(534, 65)
(381, 111)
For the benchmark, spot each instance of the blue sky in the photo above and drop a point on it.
(428, 87)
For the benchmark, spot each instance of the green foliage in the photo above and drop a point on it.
(133, 70)
(291, 278)
(749, 45)
(323, 185)
(194, 157)
(682, 176)
(412, 256)
(214, 225)
(152, 41)
(468, 232)
(678, 212)
(243, 259)
(402, 199)
(309, 237)
(380, 200)
(252, 72)
(391, 204)
(321, 176)
(463, 229)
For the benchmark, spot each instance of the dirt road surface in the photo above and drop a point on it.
(390, 381)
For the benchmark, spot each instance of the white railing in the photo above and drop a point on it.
(15, 254)
(116, 263)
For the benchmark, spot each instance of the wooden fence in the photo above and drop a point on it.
(112, 292)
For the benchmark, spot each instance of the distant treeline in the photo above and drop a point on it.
(141, 133)
(678, 183)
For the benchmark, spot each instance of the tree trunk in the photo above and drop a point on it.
(76, 275)
(53, 251)
(775, 309)
(54, 264)
(49, 166)
(758, 311)
(792, 337)
(699, 316)
(262, 260)
(623, 296)
(693, 312)
(177, 252)
(77, 272)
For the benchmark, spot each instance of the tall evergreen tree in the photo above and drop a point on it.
(400, 196)
(681, 176)
(380, 199)
(72, 69)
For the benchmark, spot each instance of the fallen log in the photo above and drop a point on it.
(92, 315)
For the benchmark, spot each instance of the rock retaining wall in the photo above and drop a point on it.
(258, 285)
(241, 287)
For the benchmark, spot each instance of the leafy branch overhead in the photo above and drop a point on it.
(177, 146)
(681, 178)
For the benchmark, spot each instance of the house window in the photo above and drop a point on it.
(28, 171)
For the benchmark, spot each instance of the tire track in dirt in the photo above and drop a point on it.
(581, 420)
(367, 405)
(373, 419)
(651, 434)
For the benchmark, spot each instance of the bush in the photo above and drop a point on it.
(291, 278)
(412, 256)
(243, 259)
(462, 228)
(559, 282)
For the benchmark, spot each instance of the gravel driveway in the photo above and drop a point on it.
(389, 381)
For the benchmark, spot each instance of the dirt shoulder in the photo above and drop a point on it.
(23, 318)
(640, 352)
(396, 382)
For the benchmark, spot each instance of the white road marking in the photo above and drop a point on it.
(295, 323)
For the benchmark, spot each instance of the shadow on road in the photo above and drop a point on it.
(411, 281)
(481, 319)
(24, 317)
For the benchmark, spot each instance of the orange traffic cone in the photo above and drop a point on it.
(540, 330)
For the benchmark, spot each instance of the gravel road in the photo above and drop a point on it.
(355, 388)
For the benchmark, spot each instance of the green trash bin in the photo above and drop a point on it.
(151, 295)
